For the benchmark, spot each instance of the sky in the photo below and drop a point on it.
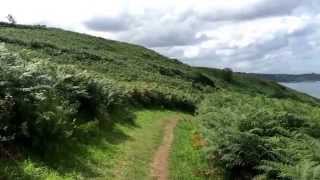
(261, 36)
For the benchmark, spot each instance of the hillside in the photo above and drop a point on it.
(74, 106)
(248, 84)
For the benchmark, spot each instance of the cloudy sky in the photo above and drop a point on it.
(269, 36)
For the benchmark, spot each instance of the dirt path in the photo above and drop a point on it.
(159, 166)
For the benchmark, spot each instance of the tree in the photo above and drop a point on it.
(11, 19)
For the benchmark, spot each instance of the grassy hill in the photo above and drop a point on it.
(59, 88)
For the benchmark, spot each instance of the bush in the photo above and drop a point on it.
(6, 114)
(92, 96)
(41, 103)
(155, 98)
(31, 109)
(228, 74)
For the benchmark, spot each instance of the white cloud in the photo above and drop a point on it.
(247, 9)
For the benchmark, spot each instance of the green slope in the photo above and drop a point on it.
(248, 84)
(130, 65)
(55, 84)
(123, 152)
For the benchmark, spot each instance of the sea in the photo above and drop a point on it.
(311, 88)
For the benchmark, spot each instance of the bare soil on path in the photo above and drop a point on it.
(160, 164)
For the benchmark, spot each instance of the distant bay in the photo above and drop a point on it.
(311, 88)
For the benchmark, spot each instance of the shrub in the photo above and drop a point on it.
(53, 122)
(228, 74)
(7, 132)
(155, 98)
(41, 102)
(92, 96)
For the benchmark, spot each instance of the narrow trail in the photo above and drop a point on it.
(160, 164)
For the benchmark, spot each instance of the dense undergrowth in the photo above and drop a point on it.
(41, 103)
(260, 137)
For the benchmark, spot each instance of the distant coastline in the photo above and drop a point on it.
(288, 78)
(311, 88)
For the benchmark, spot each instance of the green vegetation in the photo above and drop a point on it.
(258, 136)
(136, 156)
(67, 105)
(186, 159)
(42, 103)
(123, 152)
(251, 85)
(141, 71)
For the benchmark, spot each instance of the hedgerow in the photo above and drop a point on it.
(155, 98)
